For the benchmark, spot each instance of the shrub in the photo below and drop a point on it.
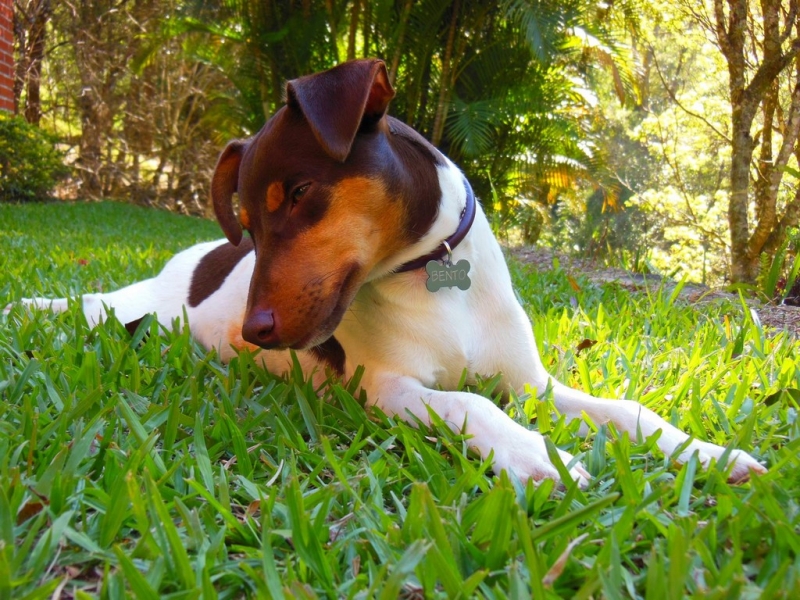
(30, 163)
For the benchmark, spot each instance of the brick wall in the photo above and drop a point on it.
(6, 57)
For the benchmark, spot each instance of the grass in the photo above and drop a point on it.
(144, 467)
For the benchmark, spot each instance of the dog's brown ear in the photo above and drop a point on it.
(223, 186)
(337, 102)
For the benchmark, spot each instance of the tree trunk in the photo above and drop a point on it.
(91, 146)
(333, 24)
(445, 80)
(366, 29)
(351, 34)
(398, 49)
(36, 38)
(748, 91)
(743, 267)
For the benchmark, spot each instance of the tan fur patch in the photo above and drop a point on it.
(244, 218)
(364, 222)
(361, 227)
(235, 339)
(274, 196)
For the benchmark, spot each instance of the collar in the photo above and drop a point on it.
(438, 253)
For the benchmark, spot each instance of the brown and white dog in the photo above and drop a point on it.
(345, 206)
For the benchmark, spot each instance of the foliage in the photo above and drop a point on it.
(761, 47)
(143, 466)
(696, 138)
(558, 111)
(30, 162)
(143, 135)
(780, 274)
(502, 88)
(673, 162)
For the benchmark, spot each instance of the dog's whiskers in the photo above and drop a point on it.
(323, 278)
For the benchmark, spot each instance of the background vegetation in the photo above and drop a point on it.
(30, 163)
(141, 466)
(604, 127)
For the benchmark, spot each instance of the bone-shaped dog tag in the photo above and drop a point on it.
(447, 275)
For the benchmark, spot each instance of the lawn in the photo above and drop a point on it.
(143, 466)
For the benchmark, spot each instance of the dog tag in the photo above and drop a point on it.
(447, 275)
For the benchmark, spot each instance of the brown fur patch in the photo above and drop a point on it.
(214, 267)
(244, 217)
(331, 352)
(131, 326)
(274, 196)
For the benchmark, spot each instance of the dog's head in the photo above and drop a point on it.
(327, 190)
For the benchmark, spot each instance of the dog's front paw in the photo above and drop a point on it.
(525, 455)
(743, 463)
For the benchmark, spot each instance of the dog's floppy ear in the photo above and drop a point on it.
(337, 102)
(223, 185)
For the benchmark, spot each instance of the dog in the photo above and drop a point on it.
(367, 247)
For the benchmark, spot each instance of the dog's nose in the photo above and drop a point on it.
(259, 326)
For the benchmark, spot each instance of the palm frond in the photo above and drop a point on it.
(470, 127)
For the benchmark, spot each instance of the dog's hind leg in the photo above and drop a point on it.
(128, 303)
(166, 294)
(522, 364)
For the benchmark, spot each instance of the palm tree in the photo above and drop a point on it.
(499, 87)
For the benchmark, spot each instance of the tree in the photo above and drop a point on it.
(496, 86)
(760, 44)
(500, 87)
(30, 31)
(672, 149)
(719, 118)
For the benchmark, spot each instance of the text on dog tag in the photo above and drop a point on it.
(447, 275)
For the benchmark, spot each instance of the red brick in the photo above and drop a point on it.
(6, 57)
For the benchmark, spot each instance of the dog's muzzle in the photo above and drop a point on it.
(259, 328)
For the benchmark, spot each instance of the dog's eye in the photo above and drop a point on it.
(299, 192)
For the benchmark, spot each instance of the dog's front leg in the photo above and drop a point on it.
(490, 430)
(630, 416)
